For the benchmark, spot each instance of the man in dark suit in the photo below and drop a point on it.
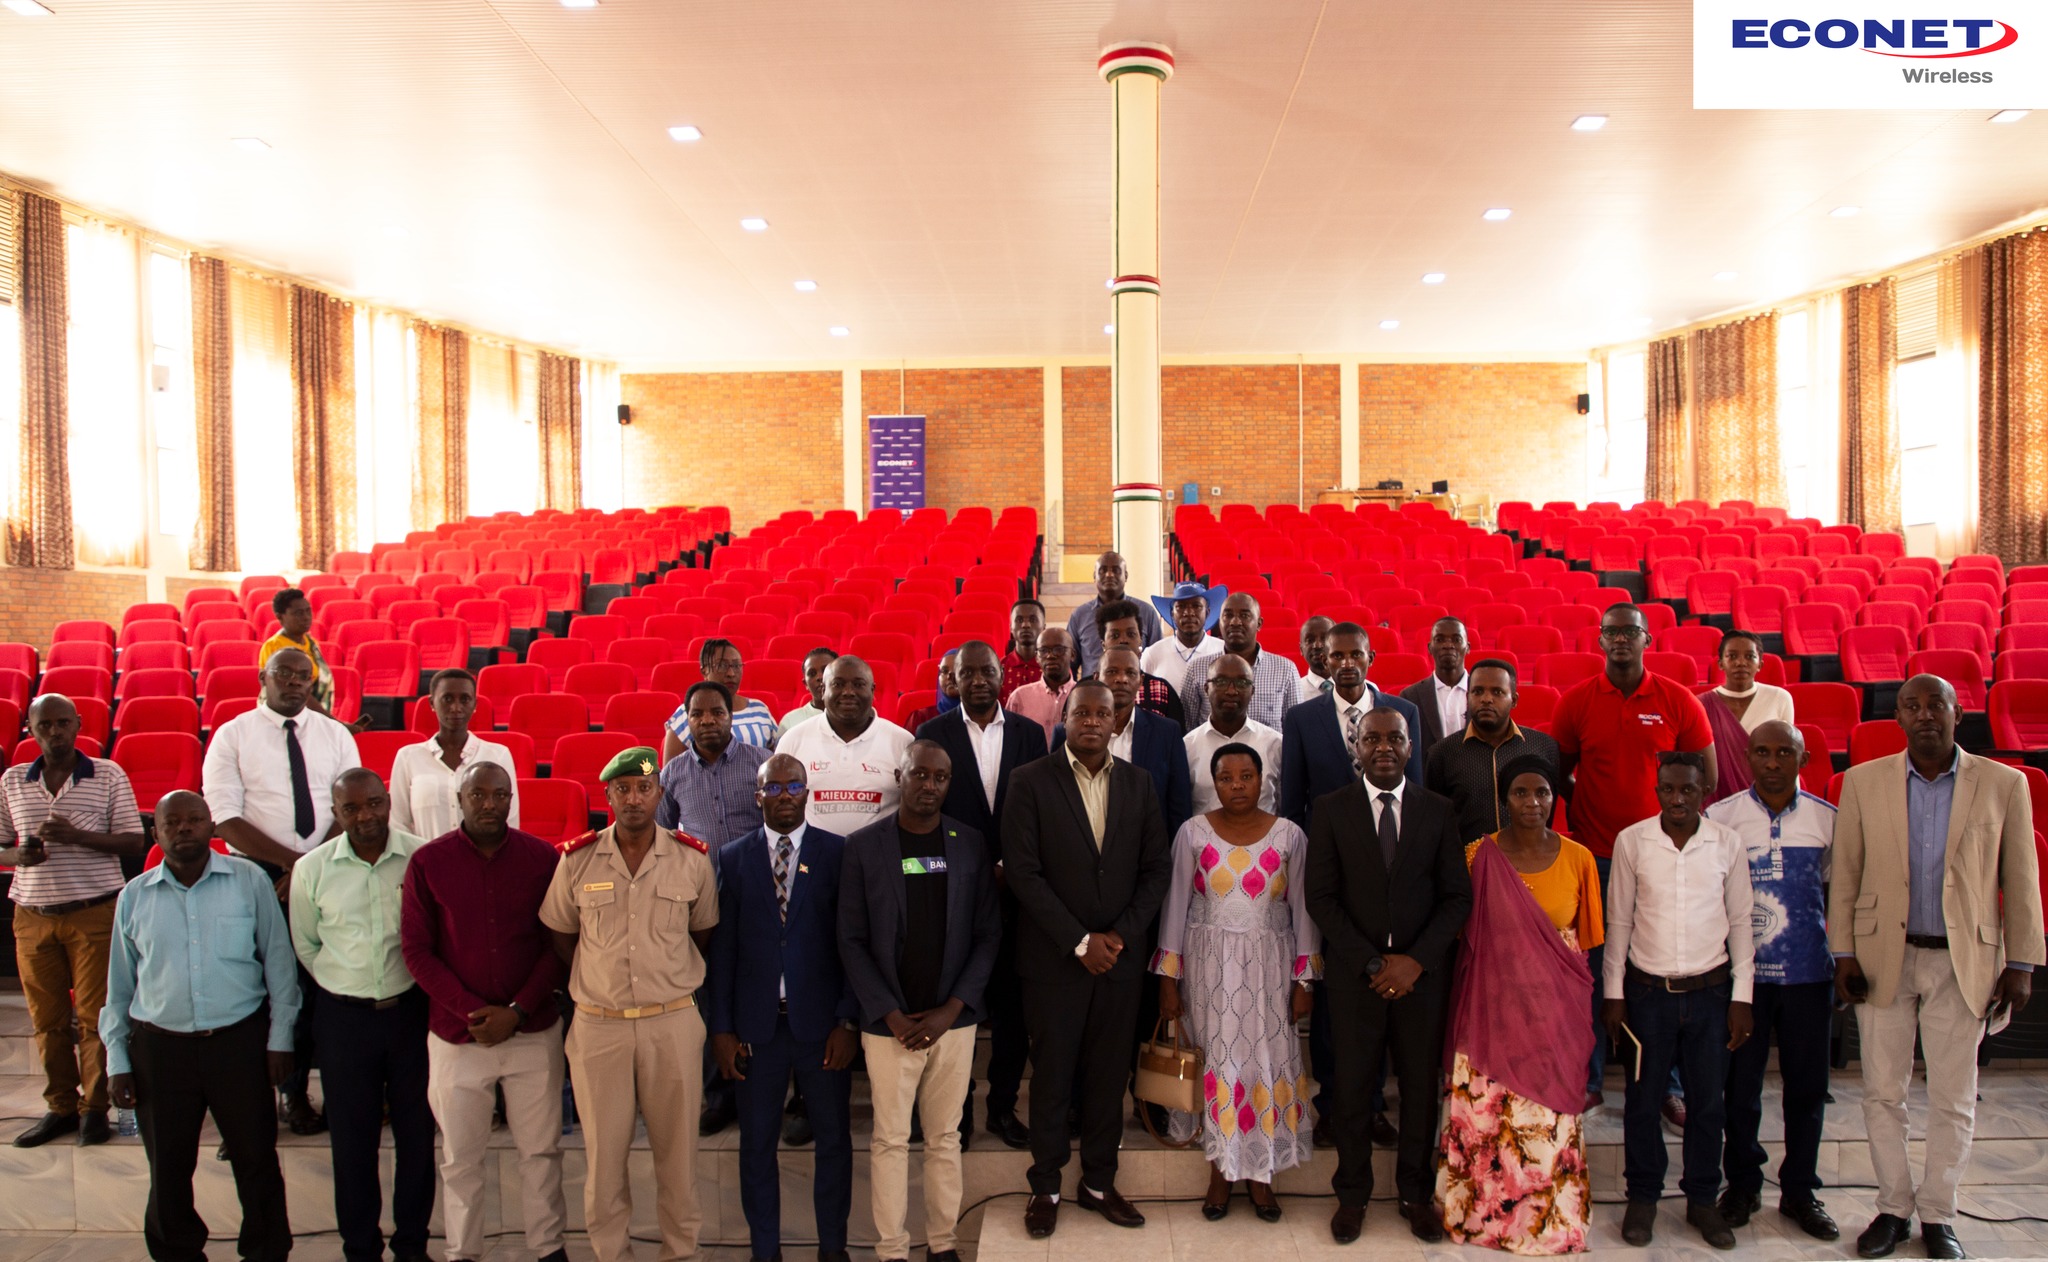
(1143, 739)
(1088, 858)
(986, 744)
(918, 929)
(777, 1005)
(1387, 885)
(1440, 697)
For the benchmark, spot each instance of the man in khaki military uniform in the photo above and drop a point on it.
(631, 909)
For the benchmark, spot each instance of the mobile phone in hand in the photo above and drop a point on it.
(1858, 986)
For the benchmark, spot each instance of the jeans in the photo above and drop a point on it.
(1688, 1031)
(1801, 1016)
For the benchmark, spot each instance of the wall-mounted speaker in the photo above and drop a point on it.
(1585, 404)
(626, 413)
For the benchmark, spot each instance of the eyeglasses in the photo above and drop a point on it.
(1622, 633)
(776, 789)
(1241, 685)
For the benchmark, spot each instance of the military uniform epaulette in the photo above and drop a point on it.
(694, 843)
(574, 844)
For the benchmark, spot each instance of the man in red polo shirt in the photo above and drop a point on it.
(1609, 731)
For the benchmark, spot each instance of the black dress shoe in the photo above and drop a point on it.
(559, 1255)
(943, 1255)
(1736, 1207)
(1325, 1133)
(1114, 1209)
(718, 1115)
(299, 1115)
(1812, 1218)
(1005, 1126)
(1041, 1215)
(966, 1127)
(834, 1255)
(1423, 1221)
(796, 1130)
(773, 1257)
(1264, 1203)
(1885, 1233)
(1941, 1242)
(1157, 1112)
(1346, 1223)
(1713, 1228)
(1639, 1223)
(1383, 1133)
(424, 1256)
(93, 1129)
(52, 1126)
(916, 1127)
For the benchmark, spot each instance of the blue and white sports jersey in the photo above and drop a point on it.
(1789, 863)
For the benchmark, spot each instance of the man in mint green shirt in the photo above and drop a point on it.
(369, 1019)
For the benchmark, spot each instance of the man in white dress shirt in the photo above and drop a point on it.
(259, 776)
(1230, 700)
(1192, 610)
(1678, 974)
(424, 776)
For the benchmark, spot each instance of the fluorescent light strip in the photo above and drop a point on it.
(1497, 214)
(1589, 122)
(754, 223)
(685, 133)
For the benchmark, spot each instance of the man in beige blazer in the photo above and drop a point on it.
(1926, 842)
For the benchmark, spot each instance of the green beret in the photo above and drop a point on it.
(637, 761)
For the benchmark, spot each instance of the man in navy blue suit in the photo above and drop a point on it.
(1318, 743)
(986, 744)
(777, 1005)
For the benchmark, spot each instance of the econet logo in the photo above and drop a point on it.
(1900, 37)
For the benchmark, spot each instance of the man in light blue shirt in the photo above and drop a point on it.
(202, 991)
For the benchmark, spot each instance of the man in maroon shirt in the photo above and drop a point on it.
(471, 932)
(1020, 662)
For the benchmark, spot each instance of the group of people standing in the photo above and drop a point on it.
(1108, 828)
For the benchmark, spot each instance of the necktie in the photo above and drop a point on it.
(1323, 686)
(1354, 722)
(302, 788)
(782, 856)
(1390, 831)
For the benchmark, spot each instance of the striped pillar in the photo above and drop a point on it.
(1135, 72)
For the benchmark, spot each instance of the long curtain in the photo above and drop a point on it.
(103, 359)
(2012, 388)
(561, 432)
(213, 368)
(266, 514)
(39, 523)
(1666, 458)
(1870, 418)
(504, 458)
(1735, 412)
(440, 471)
(1959, 302)
(603, 442)
(323, 424)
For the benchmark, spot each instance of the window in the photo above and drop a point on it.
(170, 395)
(603, 440)
(504, 443)
(384, 426)
(1618, 433)
(1934, 417)
(1795, 413)
(104, 376)
(266, 513)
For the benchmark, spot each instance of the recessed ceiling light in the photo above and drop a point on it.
(839, 330)
(396, 232)
(1497, 214)
(807, 286)
(1724, 275)
(1589, 122)
(1109, 328)
(754, 223)
(1390, 325)
(2002, 116)
(1846, 212)
(579, 4)
(1432, 278)
(685, 133)
(28, 8)
(252, 144)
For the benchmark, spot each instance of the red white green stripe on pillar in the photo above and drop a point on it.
(1152, 59)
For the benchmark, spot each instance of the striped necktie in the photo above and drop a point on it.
(783, 852)
(1354, 723)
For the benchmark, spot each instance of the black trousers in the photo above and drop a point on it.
(1365, 1029)
(1801, 1016)
(178, 1081)
(827, 1095)
(372, 1060)
(1080, 1054)
(1009, 1037)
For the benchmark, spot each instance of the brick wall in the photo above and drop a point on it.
(33, 602)
(1236, 426)
(758, 442)
(984, 431)
(1508, 431)
(1084, 511)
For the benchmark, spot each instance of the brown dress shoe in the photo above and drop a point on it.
(1347, 1223)
(1112, 1206)
(1423, 1220)
(1041, 1215)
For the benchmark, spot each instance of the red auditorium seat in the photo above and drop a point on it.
(165, 682)
(83, 629)
(525, 607)
(636, 610)
(1967, 637)
(160, 762)
(219, 710)
(677, 676)
(1875, 655)
(579, 757)
(92, 653)
(1679, 668)
(1395, 671)
(557, 656)
(1836, 708)
(598, 630)
(1701, 644)
(553, 810)
(1980, 612)
(561, 590)
(208, 634)
(640, 654)
(389, 668)
(403, 614)
(489, 622)
(10, 722)
(157, 714)
(79, 681)
(1907, 618)
(24, 658)
(546, 717)
(1761, 608)
(2019, 715)
(1710, 593)
(1820, 765)
(598, 682)
(26, 750)
(350, 636)
(500, 683)
(155, 655)
(643, 715)
(1814, 630)
(149, 610)
(1959, 667)
(146, 629)
(1877, 738)
(378, 750)
(2029, 663)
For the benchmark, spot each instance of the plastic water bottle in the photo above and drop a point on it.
(568, 1107)
(124, 1122)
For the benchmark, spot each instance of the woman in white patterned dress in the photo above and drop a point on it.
(1236, 953)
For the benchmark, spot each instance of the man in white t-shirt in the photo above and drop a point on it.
(849, 752)
(1191, 611)
(423, 780)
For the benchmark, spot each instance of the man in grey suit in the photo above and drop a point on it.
(1440, 698)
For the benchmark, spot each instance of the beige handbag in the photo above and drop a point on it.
(1169, 1075)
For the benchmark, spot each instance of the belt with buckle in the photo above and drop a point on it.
(195, 1034)
(634, 1014)
(1680, 985)
(1927, 941)
(65, 909)
(377, 1005)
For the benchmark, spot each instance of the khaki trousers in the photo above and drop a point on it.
(460, 1082)
(1930, 1003)
(933, 1080)
(652, 1067)
(64, 959)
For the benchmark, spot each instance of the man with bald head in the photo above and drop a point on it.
(1787, 834)
(1934, 917)
(266, 776)
(1110, 576)
(369, 1019)
(849, 752)
(202, 994)
(66, 820)
(1275, 685)
(471, 935)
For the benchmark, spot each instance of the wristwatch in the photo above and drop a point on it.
(1082, 950)
(850, 1025)
(523, 1013)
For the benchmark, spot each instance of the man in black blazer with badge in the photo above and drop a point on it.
(1388, 886)
(987, 744)
(1088, 858)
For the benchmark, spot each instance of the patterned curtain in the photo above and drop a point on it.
(2012, 390)
(1735, 412)
(39, 527)
(1870, 420)
(561, 432)
(323, 424)
(1664, 472)
(440, 469)
(213, 374)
